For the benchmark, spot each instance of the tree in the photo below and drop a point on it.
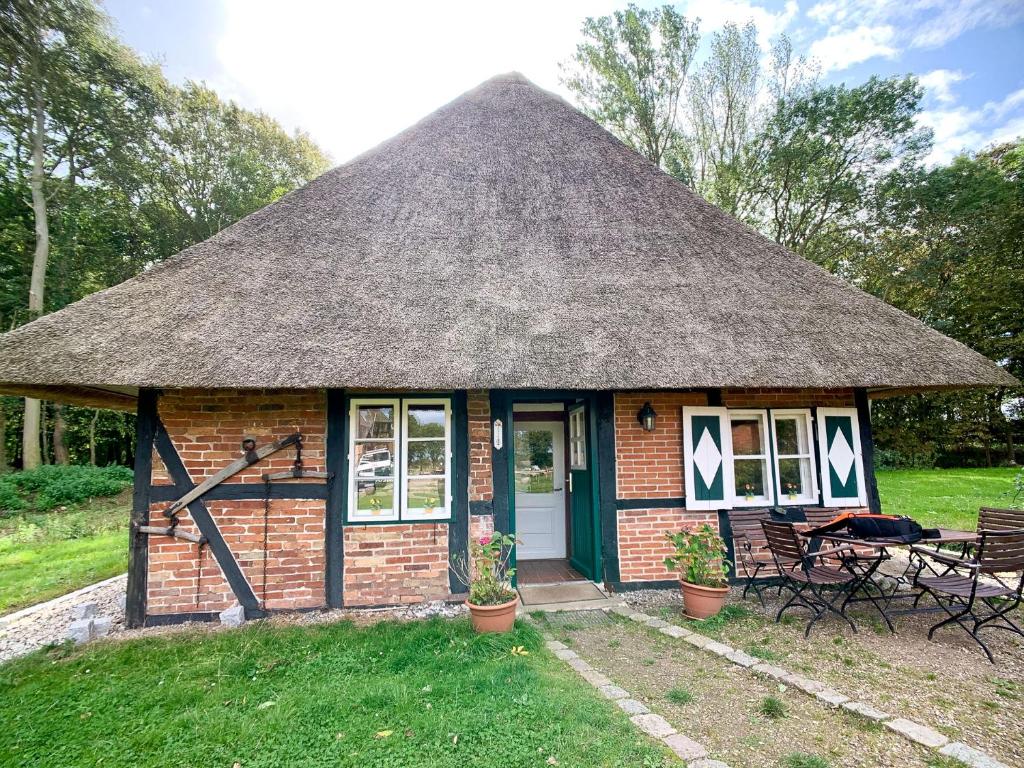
(209, 163)
(630, 73)
(72, 100)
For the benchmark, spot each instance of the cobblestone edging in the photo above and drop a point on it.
(686, 749)
(913, 731)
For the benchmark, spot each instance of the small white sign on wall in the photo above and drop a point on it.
(499, 434)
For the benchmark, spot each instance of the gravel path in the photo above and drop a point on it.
(47, 623)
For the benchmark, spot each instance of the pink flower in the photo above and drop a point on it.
(485, 541)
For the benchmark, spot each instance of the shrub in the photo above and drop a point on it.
(699, 556)
(10, 500)
(772, 708)
(52, 486)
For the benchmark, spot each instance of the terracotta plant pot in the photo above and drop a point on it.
(702, 602)
(493, 618)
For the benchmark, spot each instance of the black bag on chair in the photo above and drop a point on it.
(901, 529)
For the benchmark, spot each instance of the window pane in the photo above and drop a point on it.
(750, 474)
(375, 421)
(426, 421)
(746, 437)
(791, 436)
(426, 458)
(374, 459)
(534, 469)
(795, 477)
(426, 494)
(375, 496)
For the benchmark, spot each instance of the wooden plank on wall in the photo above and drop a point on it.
(138, 548)
(604, 412)
(458, 530)
(337, 466)
(867, 449)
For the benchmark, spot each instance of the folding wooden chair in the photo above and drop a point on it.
(806, 581)
(751, 548)
(984, 594)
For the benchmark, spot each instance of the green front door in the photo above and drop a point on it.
(585, 546)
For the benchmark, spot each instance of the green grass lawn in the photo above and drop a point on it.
(46, 554)
(946, 498)
(394, 694)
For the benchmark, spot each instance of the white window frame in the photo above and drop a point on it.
(800, 414)
(858, 462)
(578, 439)
(353, 513)
(420, 513)
(725, 430)
(739, 500)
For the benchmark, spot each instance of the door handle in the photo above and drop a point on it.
(570, 482)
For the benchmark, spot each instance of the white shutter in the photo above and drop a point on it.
(707, 458)
(842, 466)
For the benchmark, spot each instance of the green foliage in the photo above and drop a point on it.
(947, 498)
(486, 571)
(52, 486)
(679, 695)
(629, 74)
(772, 708)
(46, 554)
(392, 694)
(801, 760)
(699, 556)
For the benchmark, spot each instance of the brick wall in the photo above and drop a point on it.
(207, 429)
(649, 465)
(642, 542)
(390, 564)
(479, 407)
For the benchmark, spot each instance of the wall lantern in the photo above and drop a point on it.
(647, 417)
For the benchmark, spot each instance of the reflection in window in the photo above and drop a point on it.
(750, 457)
(534, 460)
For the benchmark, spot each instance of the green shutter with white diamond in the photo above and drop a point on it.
(842, 470)
(707, 458)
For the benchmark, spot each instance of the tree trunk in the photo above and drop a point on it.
(3, 437)
(60, 448)
(92, 436)
(44, 432)
(1011, 448)
(30, 435)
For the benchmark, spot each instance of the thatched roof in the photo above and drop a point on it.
(506, 240)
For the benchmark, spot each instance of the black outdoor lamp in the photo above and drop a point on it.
(647, 417)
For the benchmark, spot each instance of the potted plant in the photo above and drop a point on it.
(791, 489)
(699, 558)
(375, 505)
(429, 504)
(492, 601)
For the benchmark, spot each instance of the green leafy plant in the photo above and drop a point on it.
(772, 708)
(486, 570)
(699, 556)
(679, 695)
(54, 485)
(801, 760)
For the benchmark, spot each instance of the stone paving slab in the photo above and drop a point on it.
(565, 654)
(554, 645)
(706, 763)
(653, 725)
(973, 757)
(656, 623)
(866, 710)
(579, 664)
(632, 707)
(595, 678)
(686, 748)
(673, 631)
(613, 692)
(770, 670)
(832, 698)
(922, 734)
(741, 658)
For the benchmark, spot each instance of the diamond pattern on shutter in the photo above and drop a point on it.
(707, 458)
(841, 456)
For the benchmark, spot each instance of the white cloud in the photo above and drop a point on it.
(714, 14)
(938, 84)
(840, 49)
(353, 75)
(958, 129)
(947, 21)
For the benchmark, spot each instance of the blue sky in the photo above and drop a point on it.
(354, 74)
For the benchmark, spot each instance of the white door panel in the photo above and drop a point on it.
(540, 489)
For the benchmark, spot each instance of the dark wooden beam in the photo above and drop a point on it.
(714, 398)
(138, 550)
(867, 448)
(207, 525)
(500, 481)
(604, 414)
(247, 491)
(458, 530)
(337, 466)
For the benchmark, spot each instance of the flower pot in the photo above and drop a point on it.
(701, 602)
(493, 618)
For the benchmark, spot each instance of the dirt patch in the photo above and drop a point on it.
(722, 706)
(948, 684)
